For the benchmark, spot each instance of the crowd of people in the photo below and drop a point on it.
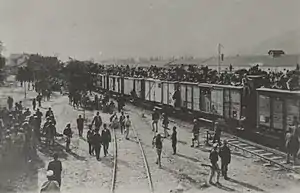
(286, 80)
(19, 126)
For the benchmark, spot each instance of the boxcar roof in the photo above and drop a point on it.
(220, 86)
(277, 91)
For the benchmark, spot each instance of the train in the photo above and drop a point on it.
(265, 114)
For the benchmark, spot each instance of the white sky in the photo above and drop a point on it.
(130, 28)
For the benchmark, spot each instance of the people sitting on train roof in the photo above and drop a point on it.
(285, 79)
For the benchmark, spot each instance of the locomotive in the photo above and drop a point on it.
(261, 114)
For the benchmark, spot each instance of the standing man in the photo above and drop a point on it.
(97, 141)
(80, 122)
(10, 102)
(49, 113)
(33, 104)
(39, 99)
(98, 121)
(89, 137)
(213, 156)
(217, 133)
(155, 118)
(120, 103)
(127, 125)
(174, 140)
(196, 129)
(39, 115)
(122, 122)
(68, 133)
(225, 155)
(56, 167)
(165, 124)
(106, 139)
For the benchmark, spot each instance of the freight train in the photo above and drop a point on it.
(265, 114)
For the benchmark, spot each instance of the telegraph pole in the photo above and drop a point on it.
(220, 46)
(219, 59)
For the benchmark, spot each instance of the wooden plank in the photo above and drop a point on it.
(266, 154)
(276, 158)
(258, 151)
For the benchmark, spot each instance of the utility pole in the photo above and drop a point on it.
(220, 46)
(219, 59)
(25, 88)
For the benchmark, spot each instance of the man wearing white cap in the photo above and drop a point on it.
(213, 156)
(56, 167)
(51, 185)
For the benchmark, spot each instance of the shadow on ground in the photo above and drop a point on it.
(18, 174)
(60, 150)
(246, 185)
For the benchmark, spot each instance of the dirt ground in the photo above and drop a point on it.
(82, 172)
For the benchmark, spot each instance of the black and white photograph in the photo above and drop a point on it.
(149, 96)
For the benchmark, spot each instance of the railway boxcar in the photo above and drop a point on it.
(168, 89)
(153, 90)
(105, 82)
(186, 90)
(112, 80)
(139, 87)
(277, 109)
(118, 84)
(128, 85)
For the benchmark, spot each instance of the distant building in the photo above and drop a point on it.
(276, 53)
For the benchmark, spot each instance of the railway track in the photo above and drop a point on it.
(145, 162)
(270, 157)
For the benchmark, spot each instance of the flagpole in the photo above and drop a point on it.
(219, 61)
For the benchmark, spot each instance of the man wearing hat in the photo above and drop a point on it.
(225, 155)
(89, 137)
(97, 141)
(51, 185)
(196, 129)
(213, 156)
(56, 167)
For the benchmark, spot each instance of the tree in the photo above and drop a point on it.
(297, 67)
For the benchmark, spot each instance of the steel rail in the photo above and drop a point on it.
(150, 183)
(113, 182)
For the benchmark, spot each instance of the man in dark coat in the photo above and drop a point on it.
(121, 103)
(225, 155)
(106, 139)
(33, 104)
(39, 99)
(10, 102)
(80, 122)
(49, 113)
(56, 167)
(174, 140)
(39, 115)
(97, 120)
(89, 137)
(97, 141)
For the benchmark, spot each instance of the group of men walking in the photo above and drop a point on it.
(219, 149)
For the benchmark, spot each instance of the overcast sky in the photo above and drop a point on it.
(131, 28)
